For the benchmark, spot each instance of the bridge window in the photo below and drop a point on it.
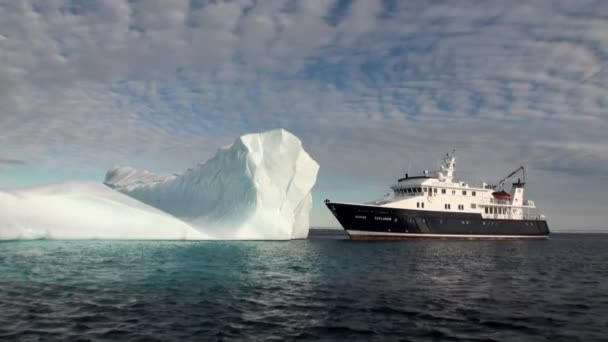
(419, 189)
(464, 192)
(473, 205)
(473, 193)
(443, 191)
(435, 190)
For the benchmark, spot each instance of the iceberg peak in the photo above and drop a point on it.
(257, 188)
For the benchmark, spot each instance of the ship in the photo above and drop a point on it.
(433, 205)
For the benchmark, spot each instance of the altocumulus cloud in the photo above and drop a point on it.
(9, 161)
(370, 86)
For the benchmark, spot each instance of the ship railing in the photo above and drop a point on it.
(534, 217)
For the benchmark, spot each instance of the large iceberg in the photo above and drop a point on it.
(258, 188)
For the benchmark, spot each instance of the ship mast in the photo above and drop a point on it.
(446, 172)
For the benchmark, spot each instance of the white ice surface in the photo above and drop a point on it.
(257, 188)
(85, 211)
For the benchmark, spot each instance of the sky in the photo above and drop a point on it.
(372, 88)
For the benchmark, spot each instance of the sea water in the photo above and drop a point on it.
(323, 288)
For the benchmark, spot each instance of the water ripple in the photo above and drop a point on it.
(320, 289)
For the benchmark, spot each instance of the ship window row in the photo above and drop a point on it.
(419, 204)
(496, 210)
(429, 191)
(408, 191)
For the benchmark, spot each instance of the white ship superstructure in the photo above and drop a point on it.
(445, 194)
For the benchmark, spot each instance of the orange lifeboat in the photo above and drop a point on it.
(502, 195)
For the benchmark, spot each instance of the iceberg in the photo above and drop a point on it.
(258, 188)
(79, 210)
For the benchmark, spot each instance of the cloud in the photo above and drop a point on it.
(370, 86)
(9, 161)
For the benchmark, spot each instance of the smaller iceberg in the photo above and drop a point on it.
(85, 211)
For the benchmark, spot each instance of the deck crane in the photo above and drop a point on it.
(502, 194)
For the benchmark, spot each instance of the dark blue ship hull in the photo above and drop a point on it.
(368, 222)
